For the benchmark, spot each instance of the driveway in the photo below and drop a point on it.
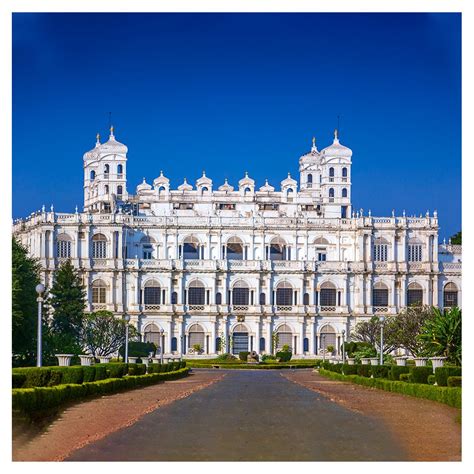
(250, 415)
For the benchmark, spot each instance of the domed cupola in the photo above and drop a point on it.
(143, 187)
(185, 186)
(226, 187)
(204, 184)
(336, 150)
(246, 185)
(288, 182)
(112, 146)
(312, 156)
(267, 188)
(161, 182)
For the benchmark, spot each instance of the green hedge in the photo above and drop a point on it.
(442, 374)
(380, 371)
(449, 395)
(420, 374)
(283, 356)
(455, 381)
(431, 379)
(36, 399)
(250, 366)
(136, 369)
(364, 370)
(397, 370)
(349, 369)
(405, 377)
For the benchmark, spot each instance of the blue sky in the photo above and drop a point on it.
(231, 93)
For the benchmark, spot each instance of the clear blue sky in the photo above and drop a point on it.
(231, 93)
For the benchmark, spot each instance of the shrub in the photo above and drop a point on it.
(139, 369)
(89, 373)
(18, 380)
(405, 377)
(455, 381)
(225, 357)
(349, 369)
(363, 370)
(283, 356)
(431, 379)
(138, 349)
(420, 374)
(100, 372)
(243, 355)
(268, 358)
(66, 375)
(116, 370)
(35, 376)
(380, 371)
(442, 374)
(397, 370)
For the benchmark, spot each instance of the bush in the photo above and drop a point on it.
(269, 358)
(116, 370)
(349, 369)
(363, 370)
(18, 380)
(431, 379)
(66, 375)
(420, 374)
(442, 374)
(138, 349)
(139, 369)
(283, 356)
(397, 370)
(380, 371)
(100, 372)
(225, 357)
(89, 373)
(455, 381)
(243, 355)
(405, 377)
(35, 376)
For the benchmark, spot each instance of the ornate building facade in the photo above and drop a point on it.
(204, 269)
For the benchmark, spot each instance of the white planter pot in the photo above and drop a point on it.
(437, 362)
(86, 359)
(401, 361)
(132, 360)
(365, 361)
(145, 361)
(105, 359)
(156, 360)
(351, 361)
(374, 361)
(420, 361)
(64, 360)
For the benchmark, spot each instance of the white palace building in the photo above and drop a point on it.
(229, 268)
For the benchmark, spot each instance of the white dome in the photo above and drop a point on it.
(267, 187)
(226, 187)
(144, 186)
(161, 181)
(185, 186)
(336, 149)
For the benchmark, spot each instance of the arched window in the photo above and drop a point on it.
(284, 337)
(331, 172)
(247, 190)
(106, 169)
(240, 339)
(218, 344)
(310, 179)
(191, 248)
(218, 298)
(119, 169)
(174, 297)
(196, 335)
(305, 344)
(284, 294)
(321, 249)
(235, 249)
(204, 189)
(450, 295)
(152, 334)
(262, 298)
(161, 189)
(327, 337)
(261, 346)
(240, 293)
(344, 192)
(92, 175)
(63, 246)
(147, 247)
(344, 172)
(278, 249)
(106, 188)
(99, 292)
(174, 344)
(152, 293)
(414, 294)
(415, 251)
(327, 294)
(119, 190)
(380, 295)
(99, 246)
(306, 299)
(380, 250)
(196, 293)
(331, 194)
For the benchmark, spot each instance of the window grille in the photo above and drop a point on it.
(380, 297)
(218, 298)
(99, 294)
(174, 344)
(174, 297)
(414, 297)
(99, 246)
(380, 252)
(240, 296)
(152, 334)
(328, 337)
(64, 248)
(262, 298)
(306, 299)
(450, 298)
(152, 295)
(196, 296)
(284, 296)
(414, 252)
(327, 297)
(196, 336)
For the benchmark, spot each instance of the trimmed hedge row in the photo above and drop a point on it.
(30, 377)
(449, 395)
(454, 381)
(443, 373)
(250, 366)
(36, 399)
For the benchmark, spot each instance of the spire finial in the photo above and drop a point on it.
(225, 180)
(336, 134)
(266, 181)
(204, 173)
(313, 148)
(97, 143)
(111, 131)
(161, 173)
(246, 174)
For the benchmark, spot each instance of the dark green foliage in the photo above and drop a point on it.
(100, 372)
(116, 370)
(18, 380)
(139, 369)
(380, 371)
(138, 349)
(31, 400)
(283, 356)
(454, 381)
(405, 377)
(226, 357)
(349, 369)
(25, 277)
(431, 379)
(35, 376)
(243, 355)
(67, 304)
(420, 374)
(363, 370)
(456, 239)
(89, 373)
(397, 370)
(442, 374)
(448, 395)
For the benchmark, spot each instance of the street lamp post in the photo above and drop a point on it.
(161, 344)
(381, 319)
(127, 319)
(343, 346)
(323, 337)
(40, 290)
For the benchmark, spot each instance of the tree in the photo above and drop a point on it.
(67, 302)
(407, 326)
(25, 277)
(442, 334)
(103, 334)
(456, 239)
(369, 332)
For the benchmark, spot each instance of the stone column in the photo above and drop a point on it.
(268, 339)
(169, 325)
(257, 336)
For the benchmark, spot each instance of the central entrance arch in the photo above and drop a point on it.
(240, 339)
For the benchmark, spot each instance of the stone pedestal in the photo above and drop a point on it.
(132, 360)
(420, 361)
(351, 361)
(86, 359)
(401, 361)
(437, 362)
(105, 359)
(64, 360)
(365, 361)
(374, 361)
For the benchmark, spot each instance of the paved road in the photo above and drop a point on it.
(249, 416)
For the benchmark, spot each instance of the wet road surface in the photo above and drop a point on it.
(251, 415)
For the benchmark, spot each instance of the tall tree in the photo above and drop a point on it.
(25, 277)
(456, 239)
(369, 332)
(67, 304)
